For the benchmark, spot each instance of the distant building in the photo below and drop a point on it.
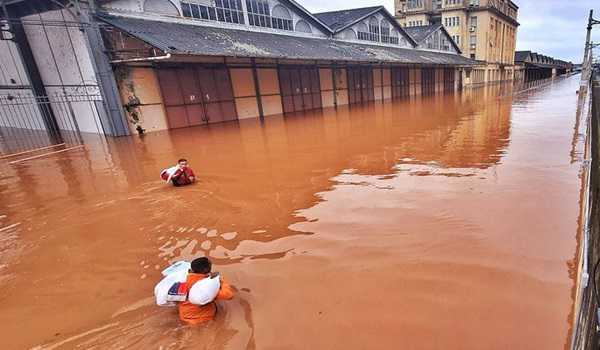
(484, 30)
(531, 66)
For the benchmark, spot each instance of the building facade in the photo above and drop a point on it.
(532, 66)
(484, 30)
(179, 63)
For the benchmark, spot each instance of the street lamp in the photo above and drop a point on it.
(587, 64)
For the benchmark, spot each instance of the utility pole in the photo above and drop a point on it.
(587, 64)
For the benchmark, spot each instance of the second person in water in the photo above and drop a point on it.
(179, 175)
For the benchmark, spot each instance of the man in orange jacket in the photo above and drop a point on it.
(197, 314)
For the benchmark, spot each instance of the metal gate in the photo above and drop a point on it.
(50, 86)
(24, 124)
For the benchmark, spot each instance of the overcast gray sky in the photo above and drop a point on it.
(551, 27)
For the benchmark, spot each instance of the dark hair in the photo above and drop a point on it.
(181, 160)
(201, 265)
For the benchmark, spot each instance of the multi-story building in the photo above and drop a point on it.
(485, 30)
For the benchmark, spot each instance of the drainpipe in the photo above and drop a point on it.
(144, 59)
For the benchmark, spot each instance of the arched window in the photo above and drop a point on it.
(385, 31)
(349, 34)
(374, 29)
(303, 26)
(281, 18)
(163, 7)
(364, 33)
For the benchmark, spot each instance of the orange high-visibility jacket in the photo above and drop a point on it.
(195, 314)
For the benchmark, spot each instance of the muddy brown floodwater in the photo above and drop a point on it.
(447, 223)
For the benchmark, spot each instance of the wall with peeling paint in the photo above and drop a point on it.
(140, 93)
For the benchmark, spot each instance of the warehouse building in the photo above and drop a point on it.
(160, 64)
(533, 66)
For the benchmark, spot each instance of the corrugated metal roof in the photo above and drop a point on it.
(521, 56)
(420, 33)
(191, 39)
(340, 19)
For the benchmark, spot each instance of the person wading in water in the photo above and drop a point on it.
(179, 175)
(197, 314)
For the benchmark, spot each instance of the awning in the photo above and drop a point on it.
(203, 40)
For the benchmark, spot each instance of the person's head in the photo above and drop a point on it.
(182, 162)
(201, 265)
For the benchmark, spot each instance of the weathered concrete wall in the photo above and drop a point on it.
(12, 69)
(64, 64)
(140, 93)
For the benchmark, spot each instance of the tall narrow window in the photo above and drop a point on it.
(474, 21)
(373, 29)
(282, 19)
(258, 13)
(385, 32)
(363, 32)
(229, 11)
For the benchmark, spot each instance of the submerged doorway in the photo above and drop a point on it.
(300, 88)
(400, 83)
(196, 94)
(360, 85)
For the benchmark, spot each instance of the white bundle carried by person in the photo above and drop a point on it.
(166, 174)
(173, 287)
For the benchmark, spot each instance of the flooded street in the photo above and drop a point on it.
(447, 223)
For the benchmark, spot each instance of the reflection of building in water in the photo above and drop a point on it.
(264, 172)
(481, 138)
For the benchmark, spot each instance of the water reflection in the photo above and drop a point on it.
(377, 183)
